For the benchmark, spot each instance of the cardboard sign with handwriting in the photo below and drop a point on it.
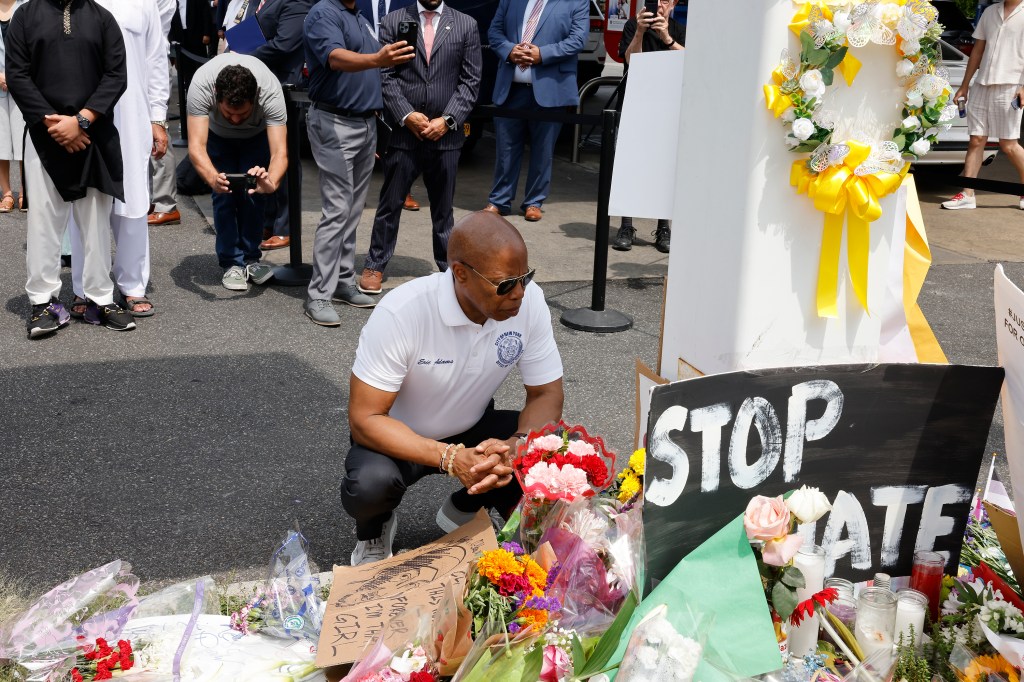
(365, 598)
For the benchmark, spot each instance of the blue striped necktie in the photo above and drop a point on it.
(382, 9)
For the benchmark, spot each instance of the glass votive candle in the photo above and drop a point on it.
(926, 577)
(911, 607)
(843, 586)
(876, 620)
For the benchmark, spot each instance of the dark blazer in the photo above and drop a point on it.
(366, 7)
(281, 22)
(561, 35)
(200, 25)
(448, 85)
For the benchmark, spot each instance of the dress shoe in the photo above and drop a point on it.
(168, 218)
(275, 242)
(370, 281)
(532, 213)
(663, 238)
(625, 239)
(491, 208)
(410, 203)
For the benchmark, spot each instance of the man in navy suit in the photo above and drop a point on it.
(536, 42)
(427, 100)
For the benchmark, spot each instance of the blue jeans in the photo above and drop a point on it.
(238, 216)
(511, 135)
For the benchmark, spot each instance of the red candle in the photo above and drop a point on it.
(927, 578)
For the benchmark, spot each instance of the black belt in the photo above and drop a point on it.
(525, 85)
(348, 113)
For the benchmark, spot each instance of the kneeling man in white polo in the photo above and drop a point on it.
(421, 401)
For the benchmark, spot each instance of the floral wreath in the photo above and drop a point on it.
(846, 179)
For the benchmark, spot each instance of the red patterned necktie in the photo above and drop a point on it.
(531, 26)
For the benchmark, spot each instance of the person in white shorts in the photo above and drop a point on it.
(998, 59)
(12, 125)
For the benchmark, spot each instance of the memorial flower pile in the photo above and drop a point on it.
(411, 665)
(507, 586)
(629, 483)
(249, 618)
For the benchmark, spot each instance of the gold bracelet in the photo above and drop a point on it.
(451, 462)
(444, 455)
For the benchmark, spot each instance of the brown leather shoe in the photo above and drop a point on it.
(410, 203)
(533, 213)
(275, 242)
(491, 208)
(169, 218)
(370, 281)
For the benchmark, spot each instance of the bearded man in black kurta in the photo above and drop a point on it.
(66, 70)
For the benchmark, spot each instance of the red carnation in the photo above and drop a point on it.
(509, 584)
(422, 676)
(76, 676)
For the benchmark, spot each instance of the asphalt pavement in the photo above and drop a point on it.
(190, 445)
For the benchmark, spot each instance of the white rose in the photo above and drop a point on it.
(920, 148)
(911, 123)
(841, 20)
(904, 68)
(915, 99)
(911, 47)
(890, 15)
(408, 663)
(931, 86)
(812, 83)
(803, 128)
(789, 115)
(808, 504)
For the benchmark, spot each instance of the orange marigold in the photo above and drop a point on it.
(535, 618)
(497, 562)
(537, 576)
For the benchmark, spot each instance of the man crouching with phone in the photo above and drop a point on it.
(237, 141)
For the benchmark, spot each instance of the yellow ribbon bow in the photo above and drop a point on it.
(845, 197)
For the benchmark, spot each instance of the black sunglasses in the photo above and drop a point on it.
(505, 286)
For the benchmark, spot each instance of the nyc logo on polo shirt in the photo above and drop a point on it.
(509, 348)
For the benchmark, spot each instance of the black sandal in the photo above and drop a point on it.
(130, 306)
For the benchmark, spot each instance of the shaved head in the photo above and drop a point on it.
(481, 236)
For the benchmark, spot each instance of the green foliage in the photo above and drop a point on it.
(607, 645)
(968, 7)
(784, 600)
(909, 666)
(534, 663)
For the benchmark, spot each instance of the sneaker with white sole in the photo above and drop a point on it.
(259, 273)
(378, 549)
(1021, 202)
(235, 279)
(960, 201)
(450, 519)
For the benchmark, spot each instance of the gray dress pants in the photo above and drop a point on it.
(343, 148)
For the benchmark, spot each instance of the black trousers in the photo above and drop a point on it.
(401, 167)
(374, 483)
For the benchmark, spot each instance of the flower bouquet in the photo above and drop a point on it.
(658, 651)
(506, 586)
(559, 462)
(99, 661)
(411, 664)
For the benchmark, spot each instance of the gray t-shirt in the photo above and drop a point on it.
(269, 109)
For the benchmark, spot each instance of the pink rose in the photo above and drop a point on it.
(781, 551)
(557, 665)
(766, 518)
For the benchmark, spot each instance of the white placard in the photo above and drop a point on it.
(1009, 305)
(644, 174)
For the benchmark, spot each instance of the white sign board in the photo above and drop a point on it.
(1009, 305)
(644, 174)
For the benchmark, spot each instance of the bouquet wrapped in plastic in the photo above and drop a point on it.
(559, 462)
(413, 662)
(74, 619)
(452, 634)
(658, 650)
(505, 589)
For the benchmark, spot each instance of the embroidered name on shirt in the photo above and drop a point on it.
(509, 348)
(439, 361)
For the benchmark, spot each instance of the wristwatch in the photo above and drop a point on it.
(449, 121)
(83, 122)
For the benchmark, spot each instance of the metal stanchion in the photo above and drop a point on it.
(182, 97)
(596, 318)
(295, 273)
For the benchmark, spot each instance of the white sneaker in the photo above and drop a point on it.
(449, 519)
(961, 200)
(1022, 202)
(235, 279)
(378, 549)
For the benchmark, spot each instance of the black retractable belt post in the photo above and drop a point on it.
(182, 101)
(596, 318)
(295, 273)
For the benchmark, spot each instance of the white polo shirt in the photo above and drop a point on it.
(1003, 60)
(446, 368)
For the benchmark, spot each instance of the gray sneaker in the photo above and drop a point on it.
(235, 279)
(321, 312)
(449, 519)
(350, 294)
(259, 272)
(378, 549)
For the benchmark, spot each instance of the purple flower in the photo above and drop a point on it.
(514, 628)
(553, 575)
(543, 603)
(513, 547)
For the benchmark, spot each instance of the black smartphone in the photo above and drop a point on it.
(407, 31)
(651, 6)
(1015, 103)
(241, 182)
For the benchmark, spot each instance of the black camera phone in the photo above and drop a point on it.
(407, 31)
(651, 6)
(241, 182)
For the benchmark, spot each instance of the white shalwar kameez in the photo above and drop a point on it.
(144, 101)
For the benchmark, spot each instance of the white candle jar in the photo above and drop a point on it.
(876, 620)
